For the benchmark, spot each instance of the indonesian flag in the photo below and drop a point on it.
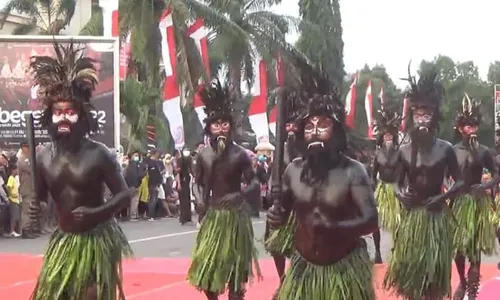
(381, 96)
(405, 114)
(280, 73)
(272, 121)
(198, 32)
(171, 95)
(350, 104)
(124, 57)
(151, 131)
(257, 112)
(369, 109)
(109, 17)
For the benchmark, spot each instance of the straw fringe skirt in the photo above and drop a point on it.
(349, 279)
(389, 209)
(280, 240)
(74, 262)
(225, 255)
(421, 260)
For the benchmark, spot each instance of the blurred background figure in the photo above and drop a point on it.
(184, 167)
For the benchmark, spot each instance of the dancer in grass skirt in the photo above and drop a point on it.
(474, 232)
(225, 256)
(279, 242)
(421, 261)
(83, 259)
(386, 127)
(332, 198)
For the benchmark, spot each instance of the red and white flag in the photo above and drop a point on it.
(124, 57)
(109, 17)
(405, 114)
(381, 96)
(350, 104)
(369, 109)
(280, 74)
(257, 112)
(272, 120)
(171, 94)
(199, 33)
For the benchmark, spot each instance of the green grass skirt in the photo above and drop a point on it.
(225, 252)
(475, 232)
(350, 278)
(73, 262)
(421, 260)
(389, 209)
(280, 240)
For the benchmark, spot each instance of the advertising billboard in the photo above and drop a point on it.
(18, 96)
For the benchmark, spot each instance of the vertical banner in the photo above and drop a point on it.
(381, 96)
(124, 57)
(272, 120)
(171, 94)
(18, 96)
(350, 104)
(109, 17)
(497, 104)
(257, 112)
(199, 33)
(369, 110)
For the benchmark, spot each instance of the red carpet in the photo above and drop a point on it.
(161, 279)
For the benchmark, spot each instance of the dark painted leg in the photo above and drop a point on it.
(376, 242)
(462, 287)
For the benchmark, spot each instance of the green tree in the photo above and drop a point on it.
(94, 26)
(379, 78)
(494, 73)
(47, 17)
(459, 78)
(323, 44)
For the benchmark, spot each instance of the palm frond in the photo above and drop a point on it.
(94, 26)
(23, 29)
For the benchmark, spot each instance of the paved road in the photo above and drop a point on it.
(167, 238)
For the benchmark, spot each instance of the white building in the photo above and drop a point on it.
(82, 15)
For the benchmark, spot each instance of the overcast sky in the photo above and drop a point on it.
(393, 32)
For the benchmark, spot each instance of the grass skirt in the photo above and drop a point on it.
(73, 262)
(224, 253)
(475, 232)
(421, 260)
(389, 209)
(349, 278)
(280, 240)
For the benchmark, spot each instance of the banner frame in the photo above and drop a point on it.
(84, 40)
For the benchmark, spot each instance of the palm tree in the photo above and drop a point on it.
(94, 26)
(48, 17)
(136, 101)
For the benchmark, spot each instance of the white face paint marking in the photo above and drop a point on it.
(70, 117)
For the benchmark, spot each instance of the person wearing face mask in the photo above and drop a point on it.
(332, 198)
(474, 232)
(134, 173)
(386, 127)
(421, 262)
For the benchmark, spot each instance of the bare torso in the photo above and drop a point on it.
(318, 206)
(385, 165)
(76, 179)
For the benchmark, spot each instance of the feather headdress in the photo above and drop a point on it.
(218, 101)
(427, 93)
(69, 76)
(469, 114)
(295, 106)
(323, 98)
(386, 121)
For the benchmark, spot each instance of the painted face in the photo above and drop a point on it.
(422, 119)
(220, 127)
(220, 130)
(63, 116)
(388, 140)
(317, 131)
(469, 133)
